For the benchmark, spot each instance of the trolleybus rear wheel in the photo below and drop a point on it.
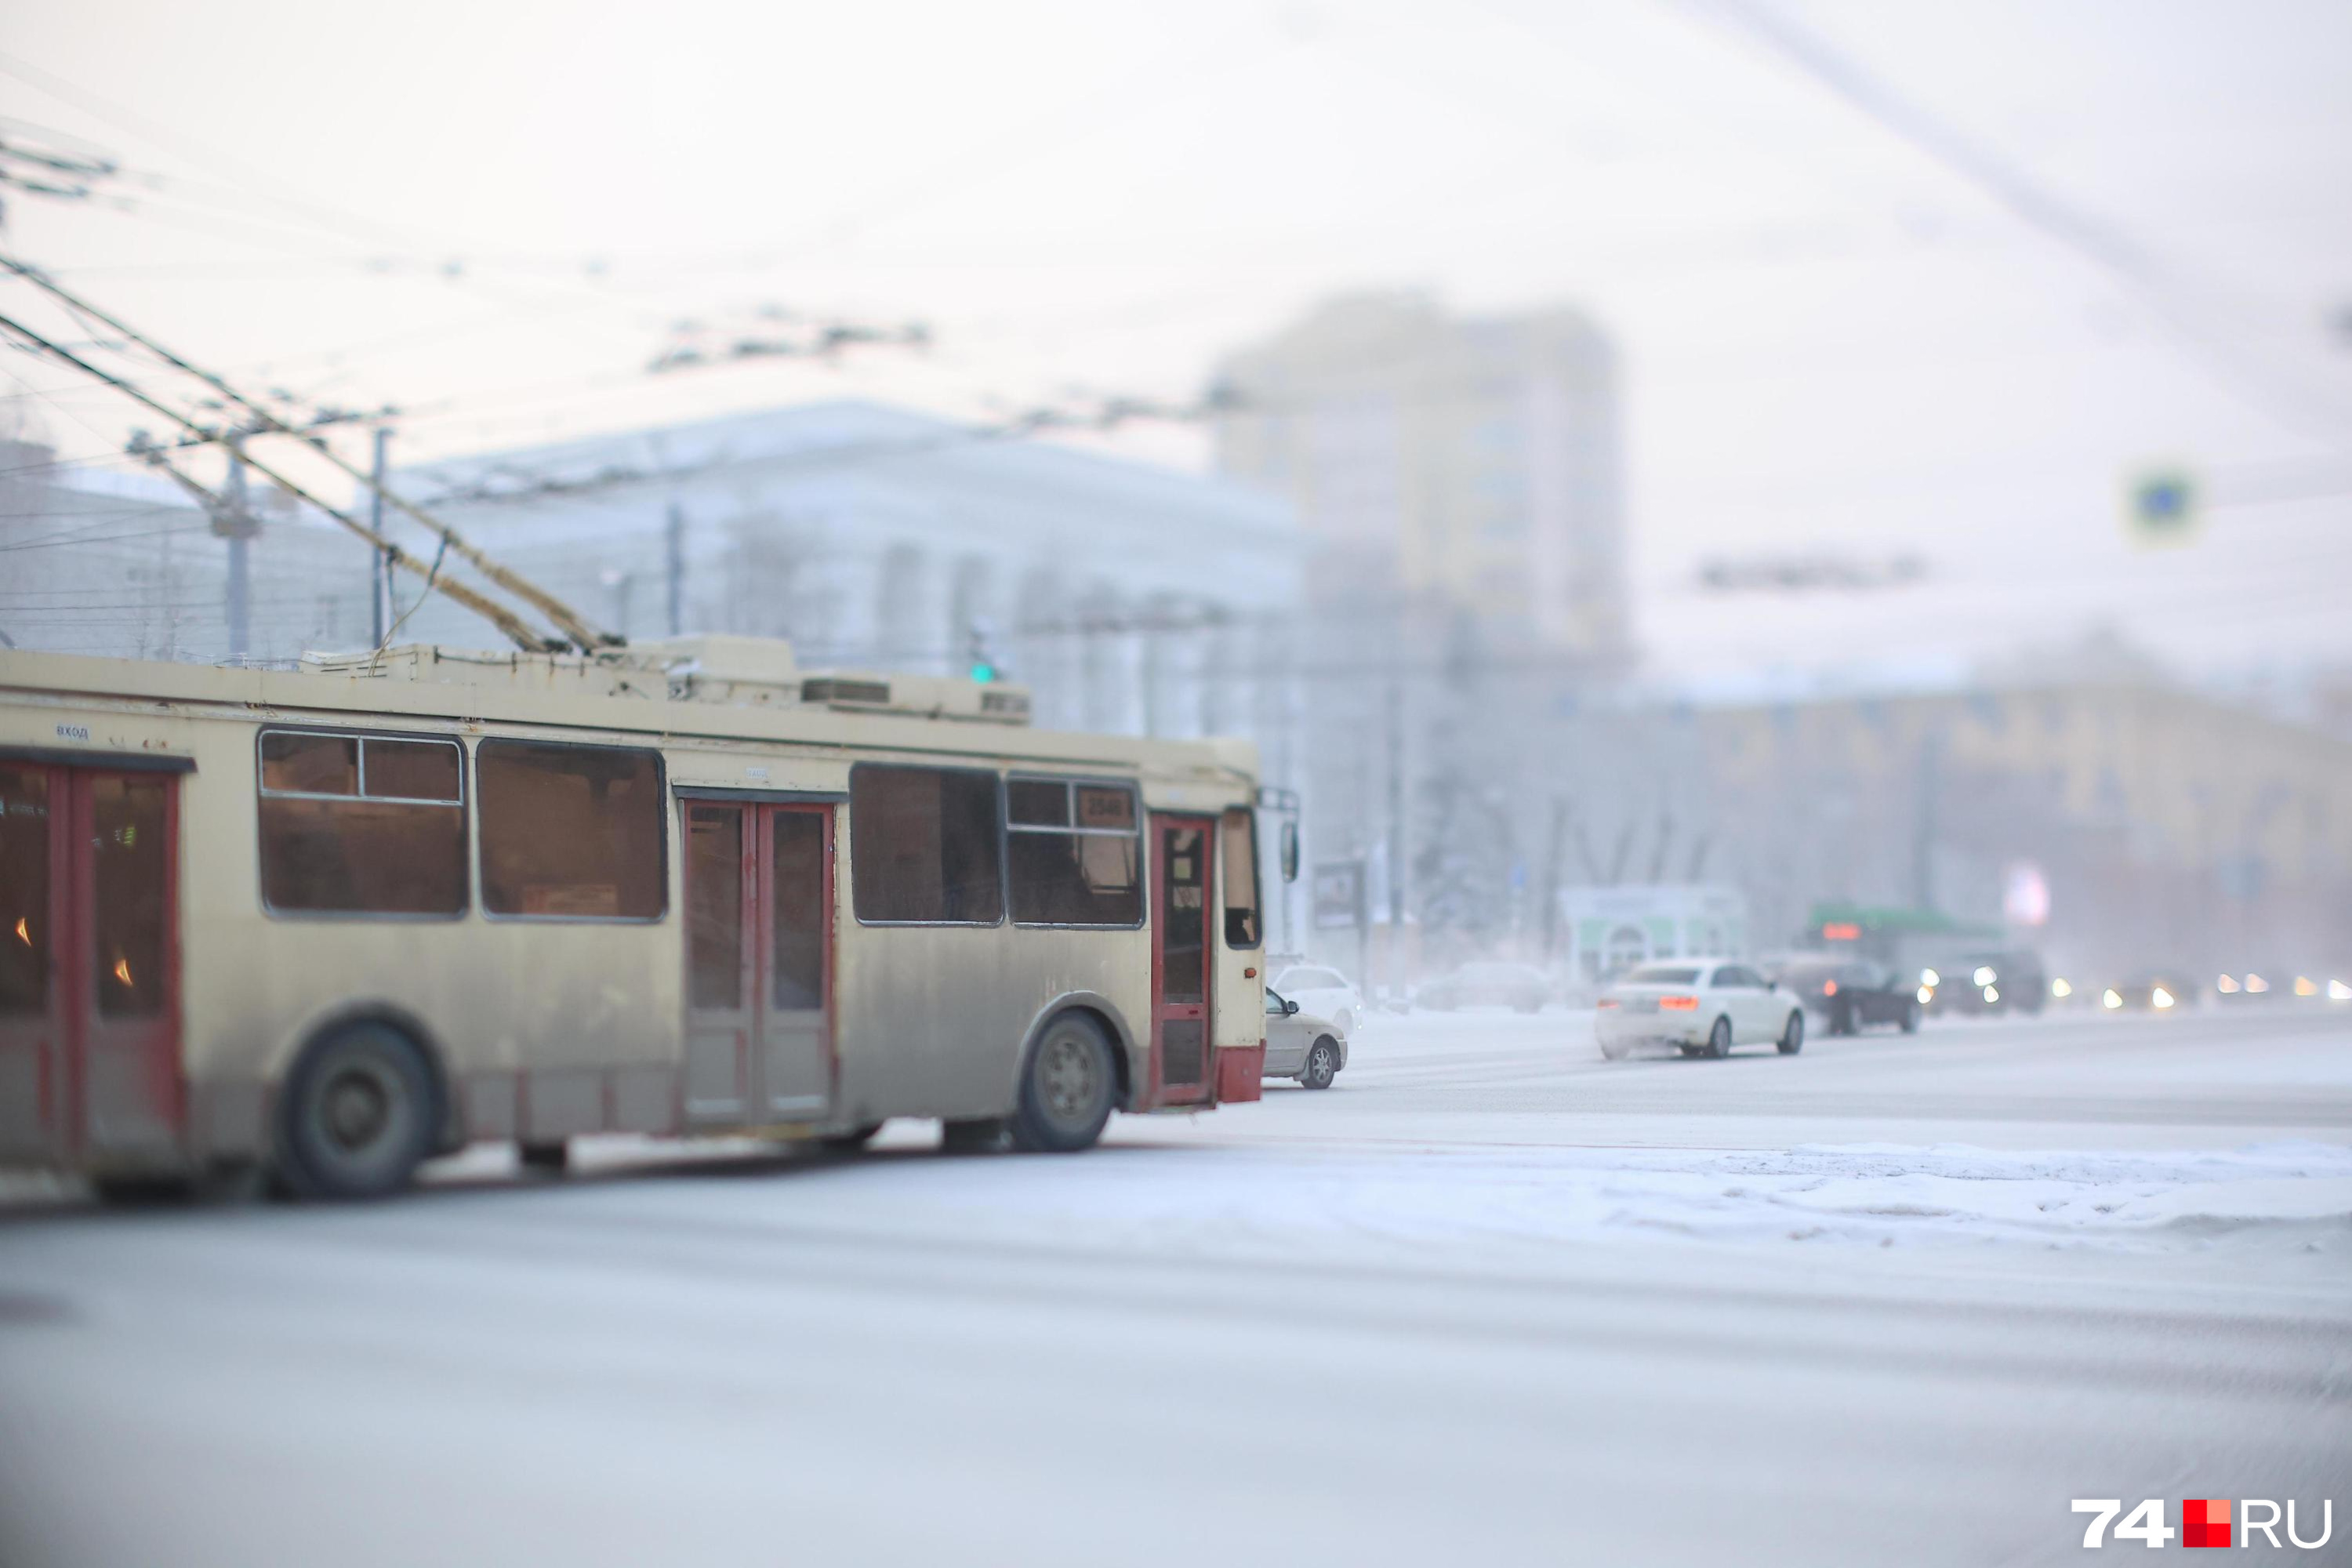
(358, 1113)
(1067, 1087)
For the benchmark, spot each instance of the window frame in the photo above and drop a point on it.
(1072, 784)
(661, 837)
(1004, 855)
(1257, 882)
(463, 805)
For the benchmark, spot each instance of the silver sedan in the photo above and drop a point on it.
(1302, 1045)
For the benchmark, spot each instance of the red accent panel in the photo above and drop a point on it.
(2205, 1521)
(1241, 1073)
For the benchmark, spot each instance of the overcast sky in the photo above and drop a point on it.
(1829, 336)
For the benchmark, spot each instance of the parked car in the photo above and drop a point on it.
(1706, 1007)
(1850, 994)
(1300, 1044)
(1486, 985)
(1324, 992)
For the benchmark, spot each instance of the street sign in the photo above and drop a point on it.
(2163, 508)
(1339, 894)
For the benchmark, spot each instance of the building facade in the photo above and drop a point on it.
(1130, 599)
(1478, 458)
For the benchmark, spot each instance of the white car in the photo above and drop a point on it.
(1324, 992)
(1300, 1044)
(1705, 1005)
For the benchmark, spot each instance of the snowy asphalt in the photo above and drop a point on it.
(1489, 1299)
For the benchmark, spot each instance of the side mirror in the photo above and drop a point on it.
(1290, 851)
(1289, 1008)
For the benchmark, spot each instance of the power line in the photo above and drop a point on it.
(498, 615)
(2102, 243)
(586, 637)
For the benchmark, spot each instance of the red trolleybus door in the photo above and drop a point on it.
(796, 962)
(1179, 959)
(722, 921)
(123, 970)
(89, 964)
(759, 959)
(34, 810)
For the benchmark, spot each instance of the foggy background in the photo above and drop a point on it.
(1659, 469)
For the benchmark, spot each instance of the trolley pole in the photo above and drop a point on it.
(380, 566)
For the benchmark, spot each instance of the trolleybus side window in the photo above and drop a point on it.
(570, 832)
(1237, 878)
(923, 846)
(1073, 852)
(362, 825)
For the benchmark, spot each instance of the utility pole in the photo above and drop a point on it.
(380, 564)
(674, 541)
(236, 524)
(1147, 675)
(1554, 854)
(1923, 847)
(1396, 836)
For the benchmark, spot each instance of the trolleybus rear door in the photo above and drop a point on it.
(796, 969)
(720, 924)
(1179, 958)
(759, 944)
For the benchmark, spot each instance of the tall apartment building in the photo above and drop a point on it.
(1478, 459)
(1460, 481)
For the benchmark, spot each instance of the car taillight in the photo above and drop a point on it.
(1606, 1002)
(1829, 987)
(1679, 1003)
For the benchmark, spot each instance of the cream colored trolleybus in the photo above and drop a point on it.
(330, 921)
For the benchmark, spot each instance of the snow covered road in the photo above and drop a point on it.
(1489, 1299)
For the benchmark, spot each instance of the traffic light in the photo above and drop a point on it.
(981, 661)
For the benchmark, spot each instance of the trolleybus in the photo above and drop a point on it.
(328, 922)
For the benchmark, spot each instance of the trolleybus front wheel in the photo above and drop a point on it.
(357, 1115)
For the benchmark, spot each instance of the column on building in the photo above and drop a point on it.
(1044, 643)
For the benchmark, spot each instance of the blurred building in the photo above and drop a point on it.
(2156, 826)
(1460, 480)
(1129, 599)
(1476, 461)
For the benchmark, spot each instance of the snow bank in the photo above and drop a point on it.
(1338, 1198)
